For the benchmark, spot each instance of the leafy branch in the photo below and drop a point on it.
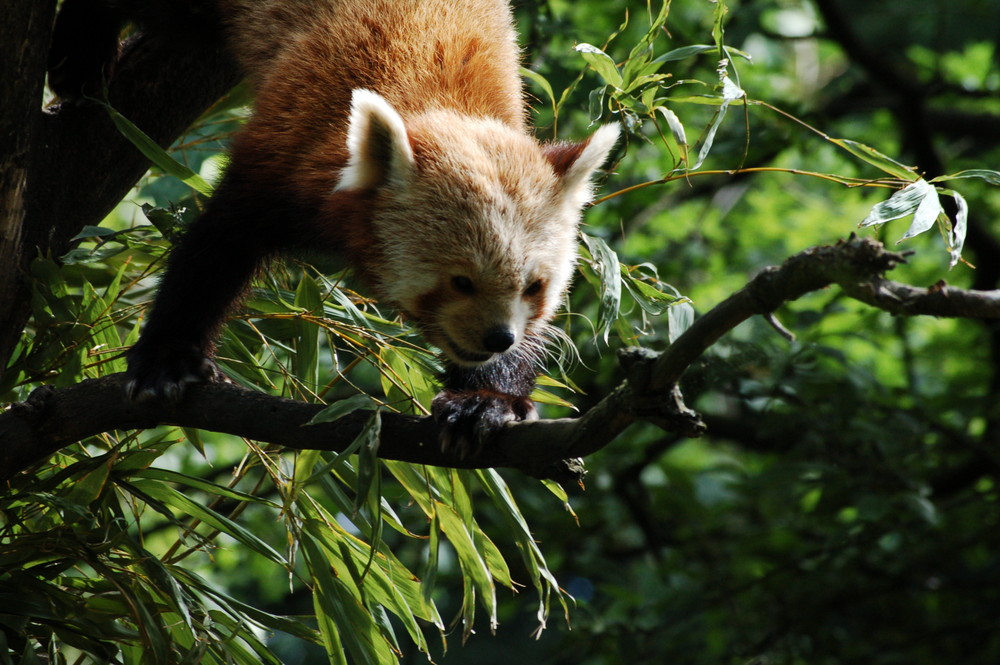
(56, 417)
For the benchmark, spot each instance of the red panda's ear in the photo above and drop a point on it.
(575, 163)
(377, 143)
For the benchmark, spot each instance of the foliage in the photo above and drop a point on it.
(840, 510)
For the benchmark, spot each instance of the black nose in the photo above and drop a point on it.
(498, 339)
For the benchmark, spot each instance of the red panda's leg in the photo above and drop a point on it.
(477, 402)
(207, 273)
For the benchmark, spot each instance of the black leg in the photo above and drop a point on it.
(476, 402)
(207, 275)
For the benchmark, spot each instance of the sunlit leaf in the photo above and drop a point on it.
(679, 319)
(608, 271)
(156, 154)
(601, 63)
(475, 571)
(992, 177)
(902, 203)
(541, 82)
(697, 49)
(676, 127)
(956, 239)
(925, 215)
(730, 91)
(877, 159)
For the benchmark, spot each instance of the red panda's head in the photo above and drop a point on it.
(476, 222)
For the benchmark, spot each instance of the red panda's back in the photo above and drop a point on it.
(304, 57)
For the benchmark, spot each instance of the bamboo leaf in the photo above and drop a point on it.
(679, 319)
(992, 177)
(475, 571)
(341, 408)
(697, 49)
(926, 214)
(877, 159)
(608, 271)
(601, 63)
(305, 361)
(169, 476)
(156, 154)
(169, 496)
(956, 237)
(541, 82)
(900, 204)
(675, 124)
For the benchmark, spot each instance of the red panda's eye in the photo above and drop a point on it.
(463, 284)
(533, 288)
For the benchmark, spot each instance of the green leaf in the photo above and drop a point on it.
(93, 232)
(541, 82)
(88, 487)
(534, 561)
(992, 177)
(406, 376)
(369, 472)
(169, 496)
(341, 408)
(290, 625)
(877, 159)
(608, 270)
(697, 49)
(956, 235)
(679, 319)
(900, 204)
(601, 63)
(156, 154)
(926, 214)
(170, 476)
(676, 128)
(475, 571)
(651, 299)
(305, 362)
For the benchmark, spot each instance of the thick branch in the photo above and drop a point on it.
(54, 418)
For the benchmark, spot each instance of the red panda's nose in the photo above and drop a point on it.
(498, 339)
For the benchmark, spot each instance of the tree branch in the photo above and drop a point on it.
(53, 418)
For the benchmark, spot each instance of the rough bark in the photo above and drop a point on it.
(66, 166)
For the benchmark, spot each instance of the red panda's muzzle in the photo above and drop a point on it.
(464, 356)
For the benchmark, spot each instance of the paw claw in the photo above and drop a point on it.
(468, 419)
(164, 372)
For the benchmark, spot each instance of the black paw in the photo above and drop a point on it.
(467, 419)
(162, 372)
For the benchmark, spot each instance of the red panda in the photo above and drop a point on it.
(394, 132)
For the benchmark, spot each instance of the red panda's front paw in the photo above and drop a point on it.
(467, 419)
(163, 372)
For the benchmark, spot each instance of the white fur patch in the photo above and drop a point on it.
(377, 143)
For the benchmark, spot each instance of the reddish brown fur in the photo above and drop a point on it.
(435, 58)
(393, 130)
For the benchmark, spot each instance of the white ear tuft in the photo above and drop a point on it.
(575, 163)
(596, 152)
(377, 143)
